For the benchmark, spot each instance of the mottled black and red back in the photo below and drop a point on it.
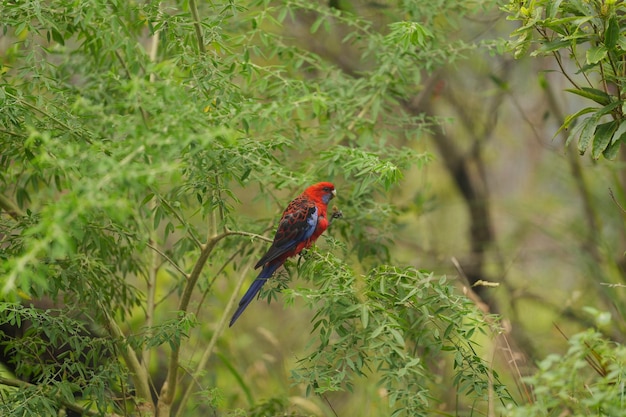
(297, 225)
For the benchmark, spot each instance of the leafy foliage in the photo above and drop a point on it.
(392, 326)
(590, 33)
(134, 135)
(586, 380)
(61, 356)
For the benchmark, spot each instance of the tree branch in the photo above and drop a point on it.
(579, 179)
(168, 259)
(193, 7)
(10, 207)
(216, 334)
(168, 389)
(139, 374)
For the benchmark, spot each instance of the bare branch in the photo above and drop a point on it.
(615, 200)
(168, 259)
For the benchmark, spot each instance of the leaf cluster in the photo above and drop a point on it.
(591, 34)
(587, 379)
(392, 325)
(60, 356)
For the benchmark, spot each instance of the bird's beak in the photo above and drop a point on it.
(334, 192)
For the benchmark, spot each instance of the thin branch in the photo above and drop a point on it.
(217, 274)
(8, 132)
(557, 57)
(579, 179)
(513, 357)
(144, 113)
(169, 387)
(138, 373)
(151, 285)
(615, 200)
(240, 233)
(182, 221)
(230, 259)
(206, 355)
(595, 361)
(10, 207)
(46, 114)
(168, 259)
(193, 7)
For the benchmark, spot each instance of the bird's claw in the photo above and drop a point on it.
(336, 214)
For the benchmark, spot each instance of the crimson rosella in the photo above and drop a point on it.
(303, 221)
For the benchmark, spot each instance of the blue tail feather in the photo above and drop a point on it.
(266, 273)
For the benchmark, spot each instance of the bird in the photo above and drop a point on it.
(302, 222)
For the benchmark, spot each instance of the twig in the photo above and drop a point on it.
(138, 373)
(8, 132)
(329, 404)
(522, 388)
(615, 200)
(193, 237)
(10, 207)
(151, 285)
(168, 259)
(46, 114)
(579, 179)
(597, 366)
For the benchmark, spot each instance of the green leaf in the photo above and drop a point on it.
(589, 126)
(396, 335)
(572, 117)
(602, 138)
(621, 43)
(552, 8)
(316, 25)
(522, 44)
(611, 34)
(620, 133)
(565, 25)
(596, 54)
(409, 34)
(552, 46)
(586, 133)
(147, 198)
(594, 94)
(611, 151)
(618, 138)
(57, 36)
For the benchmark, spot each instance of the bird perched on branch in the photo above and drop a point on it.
(303, 221)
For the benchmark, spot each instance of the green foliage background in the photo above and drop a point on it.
(148, 149)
